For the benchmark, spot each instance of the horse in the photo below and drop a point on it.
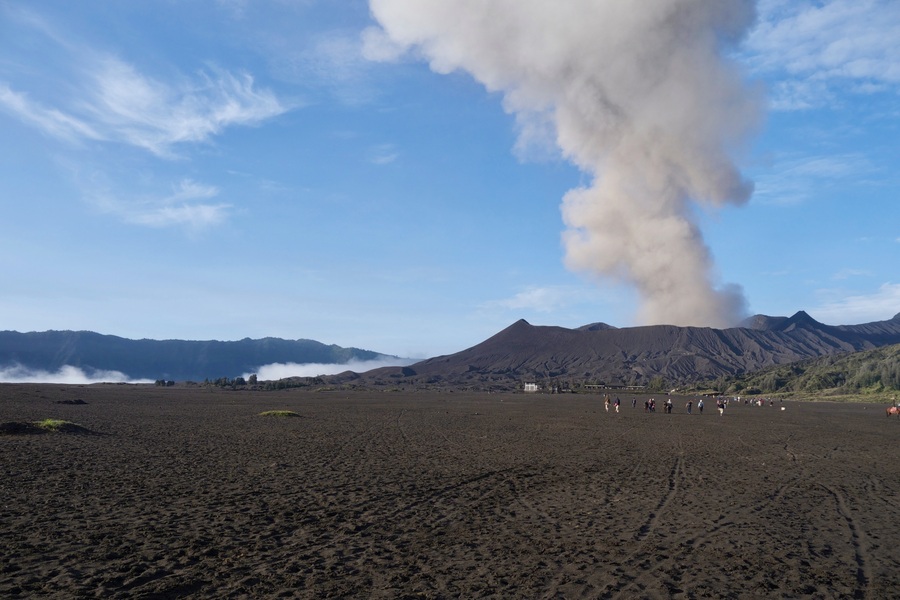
(892, 410)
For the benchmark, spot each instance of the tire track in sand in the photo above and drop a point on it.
(633, 585)
(860, 546)
(650, 524)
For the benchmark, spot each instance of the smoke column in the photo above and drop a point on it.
(639, 95)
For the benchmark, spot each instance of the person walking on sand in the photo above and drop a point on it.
(700, 406)
(720, 404)
(689, 404)
(633, 402)
(617, 404)
(606, 403)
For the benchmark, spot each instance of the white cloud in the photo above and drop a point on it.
(860, 308)
(815, 49)
(121, 105)
(48, 120)
(83, 95)
(108, 99)
(276, 371)
(183, 207)
(188, 189)
(331, 60)
(546, 299)
(194, 217)
(235, 8)
(379, 47)
(848, 273)
(67, 374)
(793, 180)
(132, 108)
(831, 167)
(383, 154)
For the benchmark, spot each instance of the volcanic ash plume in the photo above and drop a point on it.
(640, 95)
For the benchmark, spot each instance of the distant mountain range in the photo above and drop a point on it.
(603, 354)
(164, 359)
(596, 353)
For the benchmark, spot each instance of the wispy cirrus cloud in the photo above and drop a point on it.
(331, 60)
(120, 104)
(383, 154)
(122, 121)
(82, 93)
(841, 307)
(795, 179)
(848, 273)
(378, 46)
(304, 47)
(815, 50)
(49, 120)
(136, 109)
(186, 206)
(544, 299)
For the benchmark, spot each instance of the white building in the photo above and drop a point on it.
(531, 387)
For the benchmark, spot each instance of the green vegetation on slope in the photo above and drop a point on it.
(871, 372)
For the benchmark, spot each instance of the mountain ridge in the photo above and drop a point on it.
(596, 352)
(168, 359)
(637, 355)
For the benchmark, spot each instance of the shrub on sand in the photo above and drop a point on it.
(45, 426)
(60, 426)
(54, 424)
(279, 413)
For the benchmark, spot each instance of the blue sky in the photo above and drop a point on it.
(221, 170)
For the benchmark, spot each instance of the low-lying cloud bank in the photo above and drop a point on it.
(66, 374)
(276, 371)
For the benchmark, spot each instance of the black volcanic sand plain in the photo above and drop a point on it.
(189, 492)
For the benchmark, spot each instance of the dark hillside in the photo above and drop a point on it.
(167, 359)
(638, 355)
(596, 353)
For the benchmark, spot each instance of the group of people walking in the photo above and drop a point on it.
(616, 403)
(668, 405)
(650, 405)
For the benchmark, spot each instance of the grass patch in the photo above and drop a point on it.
(279, 413)
(55, 424)
(60, 426)
(45, 426)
